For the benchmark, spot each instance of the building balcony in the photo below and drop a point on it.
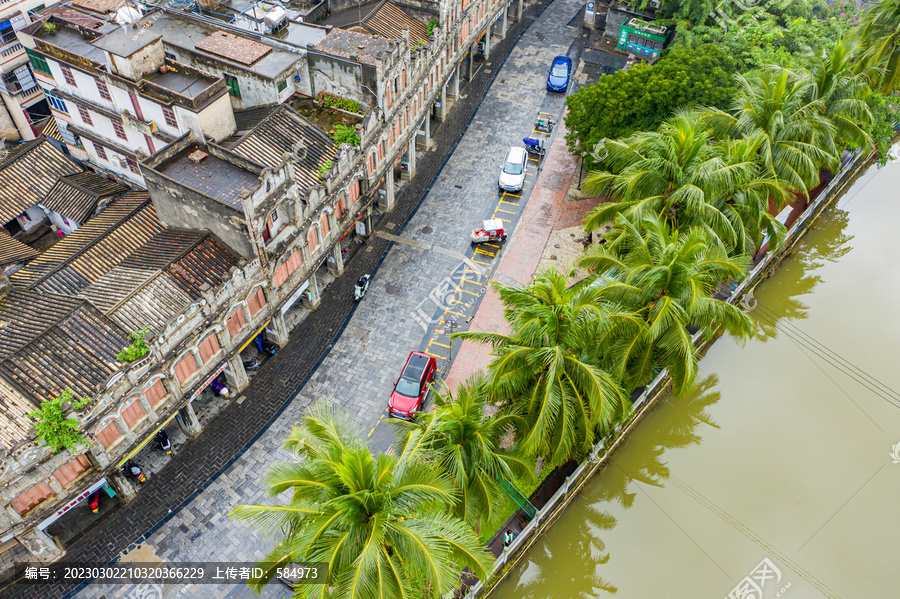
(11, 49)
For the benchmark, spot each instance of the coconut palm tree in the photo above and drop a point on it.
(679, 174)
(666, 278)
(380, 523)
(546, 369)
(458, 438)
(879, 35)
(780, 106)
(843, 93)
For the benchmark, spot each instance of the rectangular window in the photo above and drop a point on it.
(273, 217)
(354, 192)
(120, 130)
(133, 165)
(185, 368)
(104, 90)
(233, 88)
(67, 75)
(155, 393)
(235, 322)
(256, 302)
(208, 348)
(169, 115)
(101, 152)
(56, 102)
(282, 85)
(313, 237)
(38, 62)
(133, 413)
(72, 469)
(85, 116)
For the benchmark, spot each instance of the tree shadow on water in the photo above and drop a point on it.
(568, 563)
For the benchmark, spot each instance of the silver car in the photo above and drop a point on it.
(512, 177)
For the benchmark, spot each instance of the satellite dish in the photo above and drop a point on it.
(127, 14)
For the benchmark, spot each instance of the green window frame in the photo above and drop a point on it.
(282, 85)
(233, 87)
(38, 62)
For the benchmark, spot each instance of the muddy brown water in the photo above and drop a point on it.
(780, 455)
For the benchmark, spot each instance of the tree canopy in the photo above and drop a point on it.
(644, 96)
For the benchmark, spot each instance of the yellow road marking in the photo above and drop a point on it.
(436, 343)
(477, 262)
(490, 244)
(503, 219)
(534, 160)
(481, 251)
(452, 312)
(469, 292)
(550, 113)
(380, 419)
(510, 203)
(502, 210)
(512, 195)
(435, 355)
(464, 280)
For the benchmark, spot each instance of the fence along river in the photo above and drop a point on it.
(780, 470)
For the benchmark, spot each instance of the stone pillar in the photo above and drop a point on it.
(189, 422)
(503, 22)
(411, 157)
(40, 545)
(519, 10)
(277, 331)
(428, 126)
(487, 43)
(336, 264)
(315, 298)
(442, 111)
(236, 375)
(125, 491)
(454, 83)
(388, 203)
(369, 212)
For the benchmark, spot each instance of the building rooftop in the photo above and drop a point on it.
(49, 342)
(125, 41)
(93, 249)
(188, 85)
(211, 176)
(76, 196)
(283, 130)
(72, 41)
(13, 251)
(383, 18)
(160, 278)
(233, 47)
(29, 173)
(346, 44)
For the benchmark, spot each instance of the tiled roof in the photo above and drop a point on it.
(75, 16)
(13, 251)
(76, 196)
(389, 20)
(281, 132)
(247, 118)
(158, 280)
(99, 6)
(344, 44)
(56, 342)
(51, 130)
(93, 249)
(233, 47)
(14, 423)
(29, 174)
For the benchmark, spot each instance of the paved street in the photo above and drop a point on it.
(414, 293)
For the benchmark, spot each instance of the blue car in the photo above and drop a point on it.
(559, 73)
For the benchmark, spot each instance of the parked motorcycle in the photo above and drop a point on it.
(162, 439)
(134, 471)
(95, 501)
(264, 345)
(219, 388)
(362, 285)
(534, 146)
(544, 125)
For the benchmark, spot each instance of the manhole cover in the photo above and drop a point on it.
(541, 37)
(458, 186)
(392, 289)
(427, 230)
(389, 226)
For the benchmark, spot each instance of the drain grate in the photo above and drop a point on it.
(389, 226)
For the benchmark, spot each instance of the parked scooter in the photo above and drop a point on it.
(251, 366)
(95, 501)
(264, 345)
(219, 388)
(134, 471)
(534, 146)
(544, 125)
(162, 439)
(362, 285)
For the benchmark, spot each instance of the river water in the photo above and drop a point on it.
(780, 455)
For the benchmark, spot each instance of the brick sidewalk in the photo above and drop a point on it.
(229, 435)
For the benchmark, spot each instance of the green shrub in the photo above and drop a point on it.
(53, 427)
(431, 26)
(324, 168)
(343, 134)
(328, 100)
(138, 348)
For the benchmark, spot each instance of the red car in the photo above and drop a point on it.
(412, 386)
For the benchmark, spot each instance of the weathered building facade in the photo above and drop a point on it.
(274, 201)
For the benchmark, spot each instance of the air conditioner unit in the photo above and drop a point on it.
(654, 4)
(121, 161)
